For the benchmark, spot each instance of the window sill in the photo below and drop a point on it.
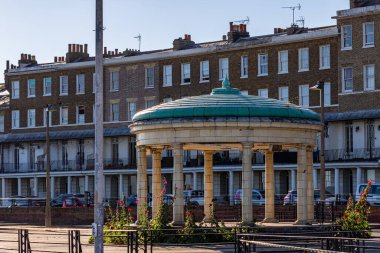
(63, 94)
(167, 85)
(79, 93)
(303, 70)
(185, 83)
(204, 81)
(31, 96)
(323, 68)
(15, 98)
(282, 73)
(369, 46)
(244, 77)
(114, 90)
(149, 87)
(46, 95)
(346, 49)
(262, 75)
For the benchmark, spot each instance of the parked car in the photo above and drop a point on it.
(258, 197)
(58, 201)
(167, 199)
(336, 200)
(373, 197)
(291, 197)
(72, 202)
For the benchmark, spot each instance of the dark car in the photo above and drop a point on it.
(58, 201)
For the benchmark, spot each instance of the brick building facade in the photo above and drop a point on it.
(282, 65)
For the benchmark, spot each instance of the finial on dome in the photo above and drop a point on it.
(226, 83)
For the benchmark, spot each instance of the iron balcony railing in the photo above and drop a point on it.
(68, 165)
(354, 154)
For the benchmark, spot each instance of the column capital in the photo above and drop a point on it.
(309, 148)
(156, 150)
(208, 152)
(177, 146)
(141, 148)
(247, 145)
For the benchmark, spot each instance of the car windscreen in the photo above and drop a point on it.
(375, 189)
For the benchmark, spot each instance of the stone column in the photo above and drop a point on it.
(269, 188)
(121, 192)
(337, 181)
(178, 206)
(86, 183)
(142, 182)
(156, 180)
(310, 185)
(247, 175)
(293, 179)
(35, 186)
(231, 187)
(194, 181)
(19, 186)
(52, 187)
(301, 186)
(359, 177)
(3, 188)
(208, 185)
(69, 179)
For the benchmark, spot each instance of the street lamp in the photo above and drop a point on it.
(320, 87)
(49, 108)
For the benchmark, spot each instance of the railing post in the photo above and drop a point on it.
(23, 241)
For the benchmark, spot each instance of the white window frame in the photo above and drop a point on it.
(2, 122)
(367, 44)
(114, 116)
(324, 57)
(15, 119)
(15, 89)
(31, 117)
(366, 78)
(327, 93)
(64, 119)
(50, 117)
(262, 92)
(167, 100)
(185, 73)
(63, 82)
(223, 68)
(84, 115)
(79, 91)
(283, 64)
(147, 101)
(304, 97)
(204, 72)
(344, 37)
(244, 66)
(167, 76)
(344, 79)
(303, 59)
(30, 82)
(149, 80)
(131, 113)
(46, 85)
(114, 80)
(280, 97)
(262, 67)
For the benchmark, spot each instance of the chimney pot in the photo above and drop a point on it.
(7, 65)
(189, 37)
(116, 51)
(81, 48)
(105, 50)
(85, 48)
(55, 58)
(33, 57)
(29, 57)
(69, 48)
(231, 26)
(78, 48)
(241, 28)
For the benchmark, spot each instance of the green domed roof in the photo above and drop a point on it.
(226, 102)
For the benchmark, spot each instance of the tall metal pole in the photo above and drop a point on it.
(99, 175)
(322, 152)
(48, 189)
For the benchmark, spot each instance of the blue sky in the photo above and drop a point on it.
(45, 27)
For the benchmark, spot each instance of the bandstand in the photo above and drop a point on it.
(226, 120)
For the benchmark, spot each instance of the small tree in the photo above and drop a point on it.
(355, 217)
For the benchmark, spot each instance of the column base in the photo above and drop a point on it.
(247, 223)
(269, 220)
(177, 223)
(301, 222)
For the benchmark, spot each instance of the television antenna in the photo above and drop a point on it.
(244, 21)
(301, 20)
(293, 8)
(139, 38)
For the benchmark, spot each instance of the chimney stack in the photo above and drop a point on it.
(85, 48)
(237, 31)
(7, 65)
(186, 43)
(75, 52)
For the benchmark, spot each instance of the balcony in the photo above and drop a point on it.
(339, 155)
(69, 165)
